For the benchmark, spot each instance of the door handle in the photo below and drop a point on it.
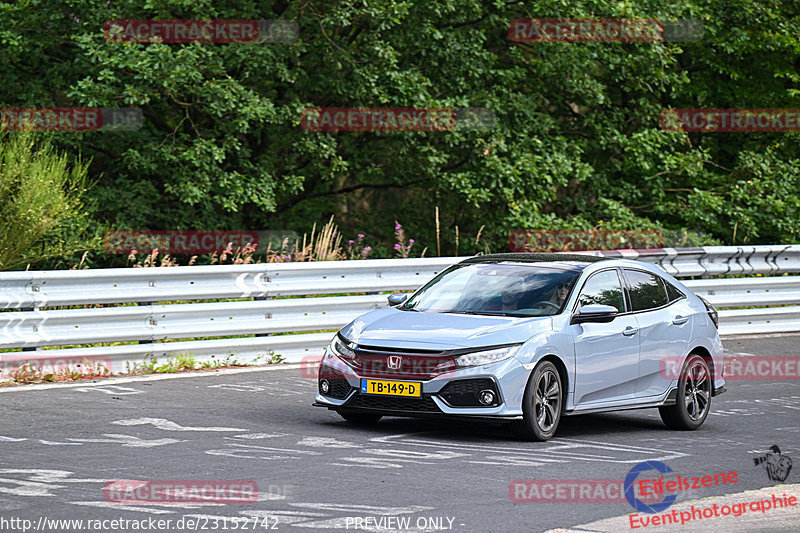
(630, 331)
(678, 320)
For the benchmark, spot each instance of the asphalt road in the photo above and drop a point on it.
(60, 445)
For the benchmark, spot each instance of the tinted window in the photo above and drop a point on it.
(646, 290)
(672, 292)
(603, 288)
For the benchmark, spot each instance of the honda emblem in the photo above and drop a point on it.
(393, 362)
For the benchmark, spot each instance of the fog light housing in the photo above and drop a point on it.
(324, 386)
(486, 397)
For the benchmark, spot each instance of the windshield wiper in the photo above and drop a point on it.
(492, 313)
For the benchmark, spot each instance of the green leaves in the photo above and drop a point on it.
(40, 193)
(576, 141)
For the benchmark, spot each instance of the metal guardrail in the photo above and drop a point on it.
(263, 280)
(717, 260)
(34, 324)
(180, 321)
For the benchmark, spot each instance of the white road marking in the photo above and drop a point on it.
(10, 439)
(378, 462)
(263, 513)
(255, 436)
(326, 442)
(369, 509)
(51, 443)
(110, 389)
(410, 454)
(557, 449)
(167, 425)
(269, 518)
(118, 507)
(129, 441)
(39, 482)
(339, 523)
(27, 488)
(49, 476)
(247, 451)
(273, 449)
(510, 461)
(247, 454)
(237, 387)
(212, 517)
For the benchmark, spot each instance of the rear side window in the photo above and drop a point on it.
(672, 292)
(603, 288)
(646, 290)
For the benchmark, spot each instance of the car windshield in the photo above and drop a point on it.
(496, 289)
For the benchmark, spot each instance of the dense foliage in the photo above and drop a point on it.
(41, 210)
(576, 143)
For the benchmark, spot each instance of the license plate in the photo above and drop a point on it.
(391, 388)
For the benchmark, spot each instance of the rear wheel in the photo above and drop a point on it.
(363, 419)
(541, 404)
(694, 396)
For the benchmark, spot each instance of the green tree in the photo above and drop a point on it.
(40, 196)
(577, 141)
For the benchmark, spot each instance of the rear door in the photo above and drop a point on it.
(606, 355)
(665, 329)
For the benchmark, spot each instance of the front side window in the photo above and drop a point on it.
(646, 290)
(496, 289)
(603, 288)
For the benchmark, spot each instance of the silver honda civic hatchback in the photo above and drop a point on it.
(527, 339)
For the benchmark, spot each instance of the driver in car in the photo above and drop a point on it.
(559, 294)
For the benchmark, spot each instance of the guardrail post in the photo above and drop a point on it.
(29, 348)
(261, 298)
(151, 322)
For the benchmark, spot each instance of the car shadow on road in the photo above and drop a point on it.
(585, 426)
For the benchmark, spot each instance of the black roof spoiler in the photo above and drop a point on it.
(534, 258)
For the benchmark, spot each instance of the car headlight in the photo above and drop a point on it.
(486, 356)
(341, 348)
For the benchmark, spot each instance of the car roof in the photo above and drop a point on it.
(567, 261)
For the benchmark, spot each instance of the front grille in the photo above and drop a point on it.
(373, 361)
(340, 388)
(389, 403)
(464, 392)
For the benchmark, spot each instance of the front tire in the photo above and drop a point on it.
(541, 405)
(694, 397)
(362, 419)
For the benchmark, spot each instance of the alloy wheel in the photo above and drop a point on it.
(698, 391)
(547, 400)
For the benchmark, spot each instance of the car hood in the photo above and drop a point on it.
(392, 328)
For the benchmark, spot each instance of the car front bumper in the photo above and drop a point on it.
(509, 377)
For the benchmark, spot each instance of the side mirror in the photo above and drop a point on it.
(595, 313)
(397, 298)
